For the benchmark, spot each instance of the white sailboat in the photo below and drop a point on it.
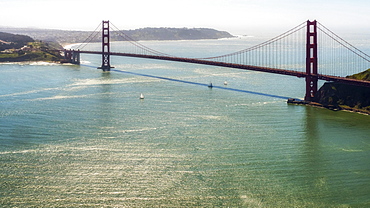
(141, 96)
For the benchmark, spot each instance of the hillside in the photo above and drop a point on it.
(361, 76)
(349, 97)
(175, 34)
(18, 48)
(8, 41)
(65, 36)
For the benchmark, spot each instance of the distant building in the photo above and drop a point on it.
(4, 42)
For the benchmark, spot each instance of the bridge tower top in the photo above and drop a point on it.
(105, 47)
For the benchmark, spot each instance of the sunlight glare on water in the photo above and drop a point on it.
(72, 136)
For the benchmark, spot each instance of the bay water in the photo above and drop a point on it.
(74, 136)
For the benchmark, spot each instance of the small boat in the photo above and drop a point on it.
(225, 83)
(141, 96)
(210, 85)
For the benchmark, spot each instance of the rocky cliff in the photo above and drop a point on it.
(338, 95)
(342, 96)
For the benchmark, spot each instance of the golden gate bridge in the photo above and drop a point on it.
(308, 51)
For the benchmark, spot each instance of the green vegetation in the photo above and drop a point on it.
(9, 41)
(346, 97)
(361, 76)
(18, 48)
(30, 56)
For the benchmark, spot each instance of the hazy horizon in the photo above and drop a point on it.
(234, 16)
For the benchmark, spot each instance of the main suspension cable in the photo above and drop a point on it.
(137, 44)
(345, 44)
(275, 39)
(91, 37)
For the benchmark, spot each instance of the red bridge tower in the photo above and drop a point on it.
(105, 47)
(311, 61)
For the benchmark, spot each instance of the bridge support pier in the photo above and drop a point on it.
(76, 57)
(105, 66)
(72, 56)
(311, 61)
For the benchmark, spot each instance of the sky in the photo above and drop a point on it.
(234, 16)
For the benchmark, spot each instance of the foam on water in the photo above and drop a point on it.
(32, 63)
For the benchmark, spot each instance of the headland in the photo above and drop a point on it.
(338, 96)
(22, 48)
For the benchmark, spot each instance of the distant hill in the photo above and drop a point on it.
(176, 34)
(8, 41)
(65, 36)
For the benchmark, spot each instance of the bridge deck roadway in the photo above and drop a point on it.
(239, 66)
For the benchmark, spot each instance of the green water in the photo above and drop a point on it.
(72, 136)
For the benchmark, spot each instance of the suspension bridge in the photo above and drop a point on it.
(309, 50)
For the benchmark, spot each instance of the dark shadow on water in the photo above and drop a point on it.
(200, 84)
(195, 83)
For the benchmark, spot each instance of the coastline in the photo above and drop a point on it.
(70, 45)
(34, 63)
(293, 101)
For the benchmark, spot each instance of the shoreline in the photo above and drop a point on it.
(36, 63)
(69, 45)
(329, 107)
